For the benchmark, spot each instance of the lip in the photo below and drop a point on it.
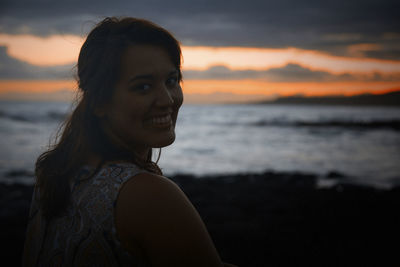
(160, 120)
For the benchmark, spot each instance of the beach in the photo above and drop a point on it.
(268, 219)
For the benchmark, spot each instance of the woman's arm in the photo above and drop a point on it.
(154, 218)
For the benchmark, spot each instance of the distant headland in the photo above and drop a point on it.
(386, 99)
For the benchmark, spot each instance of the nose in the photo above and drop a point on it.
(164, 97)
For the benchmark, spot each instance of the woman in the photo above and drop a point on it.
(99, 200)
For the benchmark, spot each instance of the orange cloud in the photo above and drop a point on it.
(358, 50)
(241, 58)
(43, 51)
(63, 49)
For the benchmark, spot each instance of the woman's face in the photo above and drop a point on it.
(144, 107)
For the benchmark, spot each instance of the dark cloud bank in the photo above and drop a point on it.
(289, 73)
(326, 26)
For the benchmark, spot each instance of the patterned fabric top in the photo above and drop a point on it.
(85, 235)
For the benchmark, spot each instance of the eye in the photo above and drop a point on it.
(141, 87)
(172, 81)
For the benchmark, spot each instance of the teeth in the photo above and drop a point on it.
(161, 120)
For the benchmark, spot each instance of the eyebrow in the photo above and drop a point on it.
(150, 76)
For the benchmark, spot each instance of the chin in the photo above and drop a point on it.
(166, 141)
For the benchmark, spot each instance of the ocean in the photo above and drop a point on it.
(357, 144)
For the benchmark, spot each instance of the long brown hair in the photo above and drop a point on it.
(82, 135)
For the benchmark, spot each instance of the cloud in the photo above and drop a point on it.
(289, 73)
(330, 26)
(224, 97)
(14, 69)
(65, 95)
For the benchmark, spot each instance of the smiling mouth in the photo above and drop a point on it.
(161, 121)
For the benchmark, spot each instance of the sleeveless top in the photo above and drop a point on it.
(86, 234)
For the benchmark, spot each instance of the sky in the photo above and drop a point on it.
(233, 50)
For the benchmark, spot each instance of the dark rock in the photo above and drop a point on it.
(270, 219)
(334, 175)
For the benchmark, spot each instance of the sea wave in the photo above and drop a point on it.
(362, 125)
(34, 117)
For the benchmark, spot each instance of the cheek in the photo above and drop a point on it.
(124, 116)
(178, 100)
(178, 97)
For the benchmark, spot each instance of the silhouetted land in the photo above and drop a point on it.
(388, 99)
(270, 219)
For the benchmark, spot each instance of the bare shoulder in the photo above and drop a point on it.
(149, 181)
(155, 217)
(147, 193)
(148, 199)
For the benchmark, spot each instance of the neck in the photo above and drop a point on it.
(139, 152)
(142, 154)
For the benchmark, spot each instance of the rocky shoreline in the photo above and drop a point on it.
(269, 219)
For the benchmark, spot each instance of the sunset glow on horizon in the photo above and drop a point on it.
(255, 90)
(59, 50)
